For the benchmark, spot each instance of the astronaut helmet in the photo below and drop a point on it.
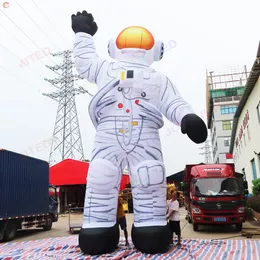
(136, 44)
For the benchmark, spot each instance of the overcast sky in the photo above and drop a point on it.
(208, 34)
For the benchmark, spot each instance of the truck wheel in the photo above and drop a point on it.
(195, 227)
(239, 226)
(48, 224)
(10, 231)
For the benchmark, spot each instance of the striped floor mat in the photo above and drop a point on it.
(66, 248)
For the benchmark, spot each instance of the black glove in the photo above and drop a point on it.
(83, 22)
(195, 128)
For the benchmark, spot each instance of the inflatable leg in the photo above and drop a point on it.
(150, 232)
(100, 231)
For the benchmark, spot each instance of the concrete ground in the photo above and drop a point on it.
(61, 229)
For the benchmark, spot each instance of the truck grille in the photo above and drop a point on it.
(219, 214)
(220, 205)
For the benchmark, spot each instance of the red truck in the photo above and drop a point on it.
(214, 194)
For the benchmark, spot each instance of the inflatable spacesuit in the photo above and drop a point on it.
(127, 113)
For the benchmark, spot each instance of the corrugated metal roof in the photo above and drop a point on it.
(250, 84)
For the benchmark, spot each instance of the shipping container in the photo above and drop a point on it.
(24, 185)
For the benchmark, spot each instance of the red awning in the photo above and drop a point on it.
(73, 172)
(68, 172)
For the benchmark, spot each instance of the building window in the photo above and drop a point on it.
(248, 132)
(253, 169)
(227, 141)
(227, 125)
(258, 111)
(228, 109)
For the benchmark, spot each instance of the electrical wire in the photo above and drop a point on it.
(16, 57)
(38, 26)
(13, 36)
(20, 78)
(75, 82)
(46, 18)
(25, 34)
(79, 87)
(22, 45)
(20, 59)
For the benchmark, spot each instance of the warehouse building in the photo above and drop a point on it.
(223, 93)
(245, 138)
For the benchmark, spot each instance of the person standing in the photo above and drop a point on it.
(121, 220)
(174, 216)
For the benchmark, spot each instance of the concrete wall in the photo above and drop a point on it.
(249, 143)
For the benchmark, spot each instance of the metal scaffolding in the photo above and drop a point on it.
(218, 79)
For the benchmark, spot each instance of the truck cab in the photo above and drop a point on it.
(214, 194)
(9, 227)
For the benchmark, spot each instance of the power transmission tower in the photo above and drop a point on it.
(66, 136)
(207, 151)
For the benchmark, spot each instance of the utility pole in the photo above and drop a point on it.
(67, 141)
(207, 151)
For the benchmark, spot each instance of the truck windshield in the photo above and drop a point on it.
(216, 187)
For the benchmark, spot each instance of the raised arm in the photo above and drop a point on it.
(171, 104)
(88, 64)
(179, 112)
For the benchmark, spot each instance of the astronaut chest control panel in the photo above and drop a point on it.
(135, 86)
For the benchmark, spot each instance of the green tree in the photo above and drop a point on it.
(256, 187)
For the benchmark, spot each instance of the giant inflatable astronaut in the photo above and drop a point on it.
(127, 113)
